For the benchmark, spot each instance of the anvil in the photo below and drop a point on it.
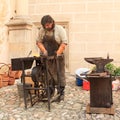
(99, 62)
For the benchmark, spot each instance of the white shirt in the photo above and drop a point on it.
(59, 32)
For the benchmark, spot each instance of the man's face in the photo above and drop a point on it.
(49, 26)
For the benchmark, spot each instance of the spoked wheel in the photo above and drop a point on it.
(38, 77)
(44, 92)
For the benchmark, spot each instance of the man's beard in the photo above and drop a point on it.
(49, 29)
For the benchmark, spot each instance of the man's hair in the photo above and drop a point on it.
(47, 19)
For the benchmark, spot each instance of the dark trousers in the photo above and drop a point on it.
(52, 66)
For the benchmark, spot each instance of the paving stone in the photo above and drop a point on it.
(72, 108)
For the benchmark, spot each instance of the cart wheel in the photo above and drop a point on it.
(51, 90)
(38, 79)
(37, 74)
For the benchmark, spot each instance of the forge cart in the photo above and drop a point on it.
(44, 88)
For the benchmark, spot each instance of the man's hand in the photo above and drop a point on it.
(42, 48)
(45, 53)
(61, 49)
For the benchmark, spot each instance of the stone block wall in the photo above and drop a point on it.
(4, 17)
(94, 27)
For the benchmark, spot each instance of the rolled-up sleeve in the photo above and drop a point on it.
(40, 35)
(62, 35)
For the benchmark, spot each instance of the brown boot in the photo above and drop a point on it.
(60, 95)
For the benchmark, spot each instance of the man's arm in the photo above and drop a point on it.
(42, 48)
(61, 49)
(63, 37)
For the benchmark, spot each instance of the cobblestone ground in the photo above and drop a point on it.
(72, 108)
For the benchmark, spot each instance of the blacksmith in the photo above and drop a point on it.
(51, 41)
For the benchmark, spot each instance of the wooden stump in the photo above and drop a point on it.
(100, 95)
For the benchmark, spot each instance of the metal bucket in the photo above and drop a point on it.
(21, 90)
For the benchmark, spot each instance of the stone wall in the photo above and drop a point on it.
(4, 17)
(94, 27)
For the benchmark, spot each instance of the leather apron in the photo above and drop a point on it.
(52, 46)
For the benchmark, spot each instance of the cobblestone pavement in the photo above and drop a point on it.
(72, 108)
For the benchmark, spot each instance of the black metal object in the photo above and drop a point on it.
(99, 62)
(17, 63)
(38, 75)
(26, 63)
(58, 73)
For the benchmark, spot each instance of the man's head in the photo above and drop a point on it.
(47, 22)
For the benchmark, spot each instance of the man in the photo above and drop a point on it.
(51, 41)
